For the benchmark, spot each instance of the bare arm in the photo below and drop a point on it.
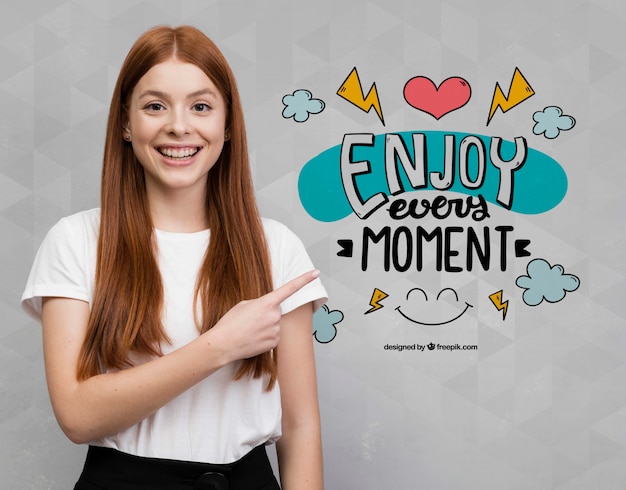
(300, 448)
(108, 403)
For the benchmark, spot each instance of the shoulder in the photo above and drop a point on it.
(74, 231)
(278, 234)
(274, 228)
(79, 226)
(282, 242)
(86, 221)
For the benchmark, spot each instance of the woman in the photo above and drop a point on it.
(172, 314)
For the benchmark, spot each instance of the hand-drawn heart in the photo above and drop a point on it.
(452, 94)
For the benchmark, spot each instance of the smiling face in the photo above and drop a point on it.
(176, 124)
(421, 309)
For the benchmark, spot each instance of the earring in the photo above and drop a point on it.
(226, 136)
(127, 137)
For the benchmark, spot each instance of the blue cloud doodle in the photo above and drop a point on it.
(300, 105)
(324, 321)
(545, 282)
(551, 121)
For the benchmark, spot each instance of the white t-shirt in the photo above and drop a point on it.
(218, 420)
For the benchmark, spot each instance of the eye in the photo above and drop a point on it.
(456, 296)
(154, 107)
(417, 289)
(201, 107)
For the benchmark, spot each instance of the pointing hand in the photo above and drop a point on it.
(252, 327)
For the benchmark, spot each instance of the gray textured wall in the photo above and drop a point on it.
(540, 405)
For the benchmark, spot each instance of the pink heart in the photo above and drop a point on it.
(421, 93)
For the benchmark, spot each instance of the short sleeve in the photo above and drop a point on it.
(64, 264)
(289, 260)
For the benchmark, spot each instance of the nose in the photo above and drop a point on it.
(178, 123)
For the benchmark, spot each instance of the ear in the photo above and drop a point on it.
(126, 132)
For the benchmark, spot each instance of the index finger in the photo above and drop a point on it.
(291, 287)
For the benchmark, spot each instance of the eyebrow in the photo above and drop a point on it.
(163, 95)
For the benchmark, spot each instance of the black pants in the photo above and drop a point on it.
(109, 469)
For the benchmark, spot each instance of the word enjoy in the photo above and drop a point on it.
(471, 172)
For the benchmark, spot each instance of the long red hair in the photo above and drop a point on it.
(128, 296)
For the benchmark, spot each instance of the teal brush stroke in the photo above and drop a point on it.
(539, 185)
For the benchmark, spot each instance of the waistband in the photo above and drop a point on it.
(117, 470)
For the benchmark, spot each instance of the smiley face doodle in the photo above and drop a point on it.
(445, 309)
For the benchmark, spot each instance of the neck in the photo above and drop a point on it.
(178, 212)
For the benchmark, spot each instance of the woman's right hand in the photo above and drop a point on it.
(252, 327)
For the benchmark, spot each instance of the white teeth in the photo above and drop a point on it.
(180, 153)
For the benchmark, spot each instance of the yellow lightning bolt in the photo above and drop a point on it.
(377, 296)
(519, 91)
(496, 299)
(352, 91)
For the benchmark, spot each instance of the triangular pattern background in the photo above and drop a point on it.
(542, 403)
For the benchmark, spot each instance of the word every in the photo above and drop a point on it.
(440, 208)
